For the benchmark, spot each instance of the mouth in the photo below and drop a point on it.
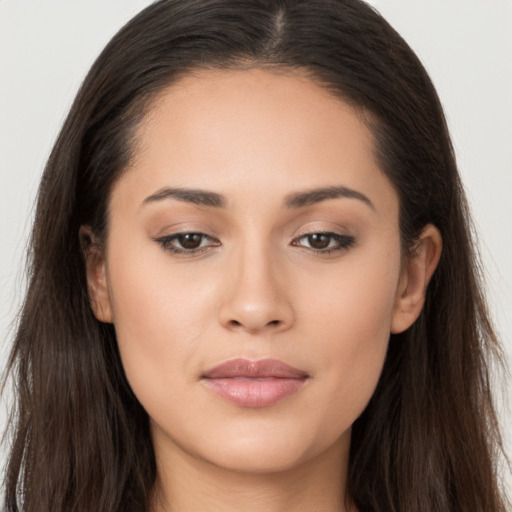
(254, 384)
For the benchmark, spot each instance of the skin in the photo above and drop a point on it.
(257, 288)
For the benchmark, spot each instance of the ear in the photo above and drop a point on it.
(96, 273)
(416, 273)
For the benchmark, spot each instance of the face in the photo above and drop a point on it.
(252, 270)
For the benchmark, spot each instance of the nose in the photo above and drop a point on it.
(256, 295)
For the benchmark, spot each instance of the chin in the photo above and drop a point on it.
(247, 456)
(262, 451)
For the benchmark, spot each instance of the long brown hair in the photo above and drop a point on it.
(428, 440)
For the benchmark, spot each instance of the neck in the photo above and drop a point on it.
(188, 484)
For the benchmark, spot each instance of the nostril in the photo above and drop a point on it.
(237, 324)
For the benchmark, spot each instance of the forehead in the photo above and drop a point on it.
(251, 102)
(231, 131)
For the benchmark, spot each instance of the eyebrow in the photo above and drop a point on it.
(188, 195)
(317, 195)
(295, 200)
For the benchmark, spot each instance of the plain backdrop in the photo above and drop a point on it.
(466, 45)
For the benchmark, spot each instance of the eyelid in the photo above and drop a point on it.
(166, 243)
(345, 238)
(344, 242)
(177, 228)
(322, 226)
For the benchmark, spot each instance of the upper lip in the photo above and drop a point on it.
(264, 368)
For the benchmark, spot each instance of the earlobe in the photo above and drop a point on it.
(416, 274)
(96, 273)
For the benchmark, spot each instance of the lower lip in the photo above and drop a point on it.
(254, 392)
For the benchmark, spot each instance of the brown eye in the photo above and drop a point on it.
(319, 241)
(325, 243)
(187, 243)
(190, 240)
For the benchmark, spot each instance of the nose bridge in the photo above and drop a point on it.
(256, 297)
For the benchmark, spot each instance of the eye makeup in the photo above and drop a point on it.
(187, 243)
(194, 243)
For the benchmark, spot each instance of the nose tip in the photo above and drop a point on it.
(256, 301)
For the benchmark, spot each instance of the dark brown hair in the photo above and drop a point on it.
(428, 440)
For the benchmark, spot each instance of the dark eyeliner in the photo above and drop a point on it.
(166, 242)
(344, 242)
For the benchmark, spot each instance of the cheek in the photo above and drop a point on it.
(159, 319)
(350, 325)
(356, 309)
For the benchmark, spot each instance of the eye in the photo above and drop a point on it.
(324, 242)
(187, 243)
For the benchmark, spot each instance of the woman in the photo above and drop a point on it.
(252, 284)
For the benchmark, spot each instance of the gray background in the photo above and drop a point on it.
(466, 45)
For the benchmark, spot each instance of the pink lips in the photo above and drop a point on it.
(254, 383)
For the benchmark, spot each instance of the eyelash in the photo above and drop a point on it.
(167, 243)
(342, 243)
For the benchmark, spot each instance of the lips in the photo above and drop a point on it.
(254, 383)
